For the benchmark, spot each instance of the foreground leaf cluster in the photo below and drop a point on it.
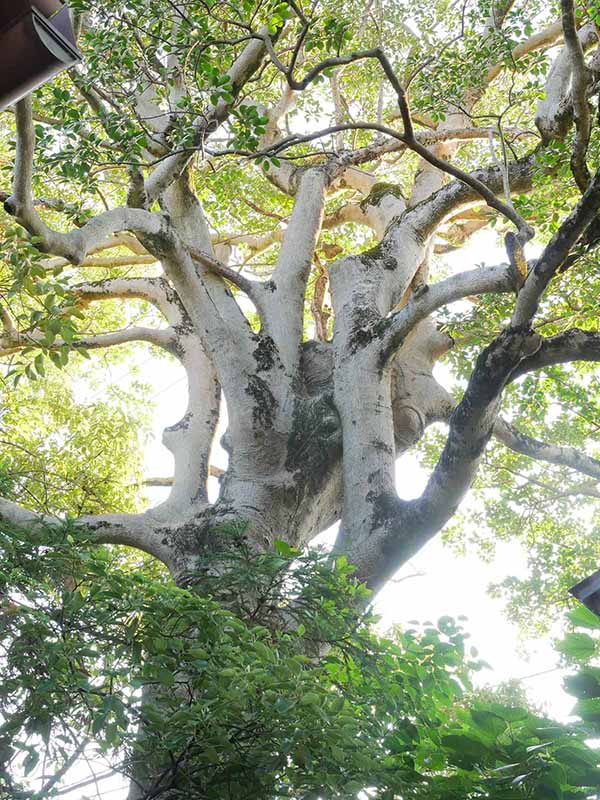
(272, 685)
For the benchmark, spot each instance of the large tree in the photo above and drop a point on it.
(275, 183)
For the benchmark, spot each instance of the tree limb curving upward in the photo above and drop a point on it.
(293, 266)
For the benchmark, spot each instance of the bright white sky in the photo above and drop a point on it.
(435, 583)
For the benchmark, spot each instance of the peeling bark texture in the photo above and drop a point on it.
(317, 419)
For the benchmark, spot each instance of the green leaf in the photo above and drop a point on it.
(337, 704)
(263, 651)
(466, 748)
(284, 704)
(310, 699)
(588, 709)
(284, 549)
(582, 617)
(579, 646)
(488, 721)
(586, 683)
(165, 677)
(39, 365)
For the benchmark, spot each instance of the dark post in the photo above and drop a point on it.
(588, 592)
(36, 42)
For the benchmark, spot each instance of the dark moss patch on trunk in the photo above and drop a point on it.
(182, 425)
(265, 353)
(378, 192)
(367, 326)
(263, 411)
(379, 257)
(315, 441)
(385, 508)
(382, 447)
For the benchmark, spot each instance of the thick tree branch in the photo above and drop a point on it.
(215, 317)
(560, 455)
(53, 204)
(103, 262)
(556, 252)
(447, 201)
(473, 182)
(133, 530)
(572, 345)
(164, 338)
(432, 297)
(189, 440)
(404, 527)
(121, 240)
(284, 305)
(579, 85)
(174, 166)
(153, 290)
(554, 113)
(471, 426)
(75, 245)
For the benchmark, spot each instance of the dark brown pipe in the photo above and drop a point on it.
(36, 43)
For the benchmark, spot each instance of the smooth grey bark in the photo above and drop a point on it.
(314, 428)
